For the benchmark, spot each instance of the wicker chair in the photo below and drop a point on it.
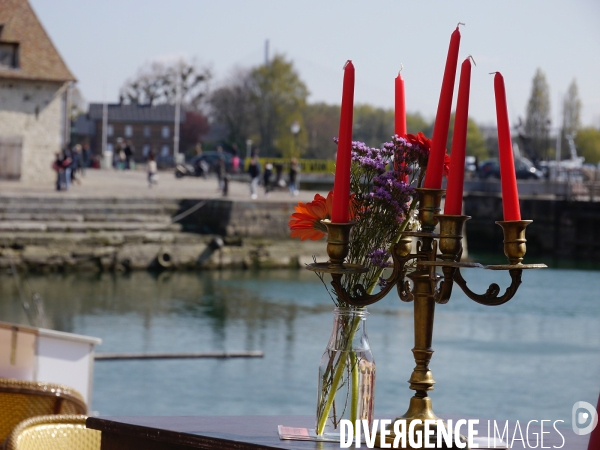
(20, 400)
(64, 432)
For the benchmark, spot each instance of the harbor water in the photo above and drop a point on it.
(529, 359)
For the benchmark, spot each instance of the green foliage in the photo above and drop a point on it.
(537, 121)
(476, 144)
(571, 113)
(372, 125)
(588, 144)
(572, 109)
(415, 123)
(278, 97)
(230, 106)
(322, 123)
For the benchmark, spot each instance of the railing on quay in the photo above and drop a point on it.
(315, 166)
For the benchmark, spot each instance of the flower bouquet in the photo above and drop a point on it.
(382, 205)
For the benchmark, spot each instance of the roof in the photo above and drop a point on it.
(37, 56)
(132, 113)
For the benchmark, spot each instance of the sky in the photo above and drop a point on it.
(105, 42)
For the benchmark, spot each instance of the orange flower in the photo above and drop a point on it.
(305, 223)
(446, 164)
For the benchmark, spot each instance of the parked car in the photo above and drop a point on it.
(525, 170)
(202, 165)
(470, 165)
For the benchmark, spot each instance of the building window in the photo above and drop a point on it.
(146, 130)
(110, 148)
(9, 55)
(128, 131)
(110, 130)
(165, 132)
(146, 150)
(164, 151)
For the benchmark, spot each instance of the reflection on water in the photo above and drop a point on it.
(531, 358)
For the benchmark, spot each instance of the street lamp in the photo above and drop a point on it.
(295, 129)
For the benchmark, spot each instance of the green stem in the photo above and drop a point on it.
(403, 225)
(354, 388)
(337, 376)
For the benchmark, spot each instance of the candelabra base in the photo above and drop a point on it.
(420, 410)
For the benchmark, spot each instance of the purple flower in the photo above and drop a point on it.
(406, 152)
(379, 257)
(389, 189)
(370, 158)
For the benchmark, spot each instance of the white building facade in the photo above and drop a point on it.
(34, 84)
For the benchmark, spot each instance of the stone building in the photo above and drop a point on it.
(150, 128)
(34, 84)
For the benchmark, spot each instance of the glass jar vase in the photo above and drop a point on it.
(346, 373)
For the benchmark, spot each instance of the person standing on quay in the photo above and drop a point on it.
(294, 171)
(75, 164)
(128, 154)
(58, 168)
(220, 168)
(254, 171)
(86, 157)
(152, 169)
(235, 162)
(267, 178)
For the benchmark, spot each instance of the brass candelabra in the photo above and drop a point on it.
(423, 285)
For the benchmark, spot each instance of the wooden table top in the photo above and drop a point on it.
(260, 432)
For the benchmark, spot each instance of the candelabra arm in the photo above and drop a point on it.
(442, 295)
(405, 291)
(359, 295)
(491, 296)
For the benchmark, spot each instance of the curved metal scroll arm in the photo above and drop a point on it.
(491, 296)
(442, 295)
(360, 297)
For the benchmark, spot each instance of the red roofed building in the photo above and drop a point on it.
(34, 82)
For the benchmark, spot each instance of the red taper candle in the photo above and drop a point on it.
(456, 176)
(595, 436)
(508, 178)
(400, 112)
(400, 107)
(433, 176)
(341, 185)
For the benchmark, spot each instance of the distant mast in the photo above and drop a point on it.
(177, 120)
(267, 53)
(559, 131)
(104, 123)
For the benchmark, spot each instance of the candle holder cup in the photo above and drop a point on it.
(417, 281)
(338, 246)
(514, 239)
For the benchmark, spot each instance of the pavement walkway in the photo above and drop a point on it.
(111, 183)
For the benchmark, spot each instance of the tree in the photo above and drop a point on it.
(372, 125)
(192, 130)
(278, 97)
(415, 123)
(156, 82)
(476, 144)
(231, 105)
(588, 144)
(537, 121)
(322, 122)
(571, 111)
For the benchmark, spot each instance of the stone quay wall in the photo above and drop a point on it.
(560, 228)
